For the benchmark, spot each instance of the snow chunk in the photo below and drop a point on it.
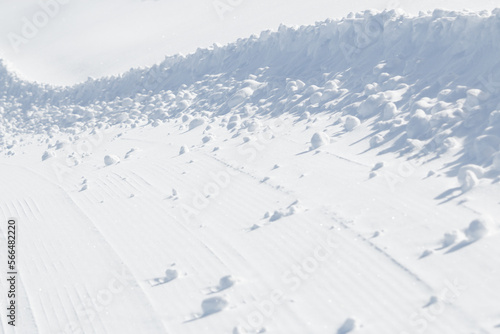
(61, 144)
(351, 122)
(111, 160)
(376, 140)
(315, 98)
(371, 89)
(48, 154)
(276, 215)
(305, 116)
(185, 118)
(478, 170)
(127, 102)
(468, 181)
(196, 122)
(293, 208)
(332, 85)
(390, 111)
(292, 87)
(233, 122)
(469, 175)
(478, 229)
(371, 106)
(207, 138)
(418, 127)
(449, 143)
(171, 274)
(183, 149)
(319, 139)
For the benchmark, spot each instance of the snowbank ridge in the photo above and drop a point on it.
(429, 82)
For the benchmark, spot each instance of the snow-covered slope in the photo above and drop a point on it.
(335, 178)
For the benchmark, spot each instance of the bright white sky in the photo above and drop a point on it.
(96, 38)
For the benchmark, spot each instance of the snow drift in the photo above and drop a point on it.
(435, 72)
(429, 82)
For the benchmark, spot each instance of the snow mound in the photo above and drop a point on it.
(376, 140)
(196, 123)
(469, 175)
(388, 80)
(478, 229)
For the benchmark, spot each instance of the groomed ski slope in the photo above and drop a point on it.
(336, 178)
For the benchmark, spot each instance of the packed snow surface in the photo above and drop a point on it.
(336, 178)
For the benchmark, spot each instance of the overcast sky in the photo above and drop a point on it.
(82, 38)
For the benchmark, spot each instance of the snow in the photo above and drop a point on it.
(213, 305)
(351, 122)
(196, 122)
(48, 154)
(477, 229)
(319, 139)
(340, 177)
(111, 160)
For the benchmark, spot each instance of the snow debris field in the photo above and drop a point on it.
(342, 177)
